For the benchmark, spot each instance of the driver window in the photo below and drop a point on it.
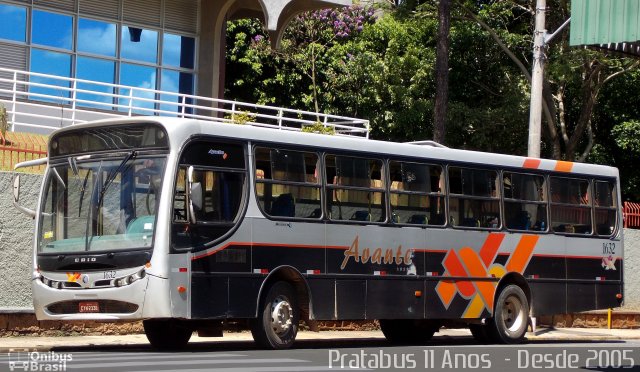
(217, 183)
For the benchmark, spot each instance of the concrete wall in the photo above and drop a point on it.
(631, 268)
(16, 244)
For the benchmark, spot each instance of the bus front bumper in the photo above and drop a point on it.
(102, 304)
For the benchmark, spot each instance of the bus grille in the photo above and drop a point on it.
(105, 306)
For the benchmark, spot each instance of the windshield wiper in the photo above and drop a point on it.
(112, 176)
(82, 190)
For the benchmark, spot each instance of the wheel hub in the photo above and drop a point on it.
(281, 316)
(512, 314)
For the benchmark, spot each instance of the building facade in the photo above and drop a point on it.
(125, 56)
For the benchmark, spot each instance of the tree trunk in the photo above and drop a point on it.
(442, 71)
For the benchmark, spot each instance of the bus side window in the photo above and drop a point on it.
(473, 198)
(355, 189)
(570, 205)
(179, 205)
(416, 197)
(525, 203)
(287, 183)
(220, 170)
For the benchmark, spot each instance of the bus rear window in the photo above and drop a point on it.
(605, 207)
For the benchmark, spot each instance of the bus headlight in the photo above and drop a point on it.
(130, 279)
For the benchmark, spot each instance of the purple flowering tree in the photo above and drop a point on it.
(309, 37)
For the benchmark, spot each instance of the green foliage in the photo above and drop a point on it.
(319, 128)
(385, 73)
(622, 149)
(240, 118)
(4, 121)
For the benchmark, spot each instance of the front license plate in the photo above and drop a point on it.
(89, 307)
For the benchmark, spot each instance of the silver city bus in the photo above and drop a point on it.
(188, 224)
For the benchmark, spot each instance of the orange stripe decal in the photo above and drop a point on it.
(455, 268)
(531, 163)
(446, 290)
(489, 250)
(524, 250)
(476, 269)
(563, 166)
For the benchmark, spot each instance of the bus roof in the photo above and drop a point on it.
(180, 130)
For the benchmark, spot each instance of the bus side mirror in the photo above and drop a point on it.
(194, 195)
(16, 198)
(16, 184)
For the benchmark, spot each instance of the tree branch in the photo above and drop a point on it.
(485, 88)
(587, 150)
(562, 115)
(624, 70)
(545, 103)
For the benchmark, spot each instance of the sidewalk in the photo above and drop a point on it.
(87, 343)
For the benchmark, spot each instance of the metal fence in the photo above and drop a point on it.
(44, 103)
(631, 215)
(17, 147)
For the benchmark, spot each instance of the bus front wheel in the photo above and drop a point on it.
(277, 324)
(167, 334)
(510, 316)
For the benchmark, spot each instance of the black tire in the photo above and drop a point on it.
(167, 334)
(408, 331)
(480, 333)
(277, 324)
(510, 316)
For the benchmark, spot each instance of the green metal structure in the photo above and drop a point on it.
(608, 24)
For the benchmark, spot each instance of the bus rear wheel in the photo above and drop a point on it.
(408, 331)
(167, 334)
(277, 324)
(510, 317)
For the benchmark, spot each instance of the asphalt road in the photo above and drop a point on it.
(332, 355)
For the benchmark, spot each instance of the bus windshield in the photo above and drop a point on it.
(100, 205)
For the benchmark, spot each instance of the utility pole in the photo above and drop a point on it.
(535, 109)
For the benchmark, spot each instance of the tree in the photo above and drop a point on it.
(306, 51)
(442, 71)
(385, 73)
(573, 81)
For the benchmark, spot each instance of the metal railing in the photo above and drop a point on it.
(18, 147)
(631, 213)
(48, 102)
